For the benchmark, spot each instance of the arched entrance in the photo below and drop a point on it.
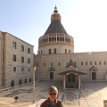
(71, 81)
(94, 75)
(93, 71)
(51, 75)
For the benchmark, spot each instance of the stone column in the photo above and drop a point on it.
(79, 82)
(64, 83)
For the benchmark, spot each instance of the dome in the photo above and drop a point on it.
(55, 25)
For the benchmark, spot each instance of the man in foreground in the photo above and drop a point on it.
(52, 100)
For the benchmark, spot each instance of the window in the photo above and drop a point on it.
(86, 63)
(55, 51)
(12, 83)
(49, 51)
(28, 60)
(22, 59)
(25, 80)
(100, 63)
(30, 80)
(22, 48)
(104, 62)
(14, 45)
(90, 63)
(65, 50)
(28, 50)
(59, 63)
(28, 69)
(44, 64)
(37, 64)
(81, 63)
(95, 63)
(20, 82)
(75, 63)
(22, 69)
(14, 69)
(41, 51)
(14, 57)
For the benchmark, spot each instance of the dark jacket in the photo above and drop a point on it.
(47, 103)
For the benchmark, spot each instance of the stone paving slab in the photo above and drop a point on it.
(90, 95)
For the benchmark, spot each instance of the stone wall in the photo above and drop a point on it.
(85, 62)
(17, 70)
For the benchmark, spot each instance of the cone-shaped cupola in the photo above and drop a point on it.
(55, 25)
(55, 16)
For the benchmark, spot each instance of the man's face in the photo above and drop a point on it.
(52, 96)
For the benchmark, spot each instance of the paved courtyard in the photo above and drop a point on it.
(91, 94)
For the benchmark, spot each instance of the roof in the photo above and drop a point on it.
(55, 27)
(71, 71)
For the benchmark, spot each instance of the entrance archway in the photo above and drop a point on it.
(51, 75)
(93, 75)
(71, 81)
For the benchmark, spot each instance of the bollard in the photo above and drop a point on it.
(16, 99)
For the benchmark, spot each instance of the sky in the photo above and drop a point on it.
(84, 20)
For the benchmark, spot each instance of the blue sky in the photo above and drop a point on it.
(85, 20)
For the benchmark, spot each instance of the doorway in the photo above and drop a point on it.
(71, 81)
(51, 75)
(93, 75)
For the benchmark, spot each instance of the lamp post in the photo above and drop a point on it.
(34, 70)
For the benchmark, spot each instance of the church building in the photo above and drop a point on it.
(57, 61)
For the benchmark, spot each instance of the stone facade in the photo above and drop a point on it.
(85, 62)
(17, 59)
(56, 50)
(1, 57)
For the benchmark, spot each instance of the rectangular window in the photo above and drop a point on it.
(65, 50)
(59, 63)
(28, 60)
(44, 64)
(22, 48)
(75, 63)
(14, 45)
(37, 64)
(14, 57)
(49, 51)
(81, 63)
(28, 50)
(22, 59)
(41, 51)
(22, 69)
(86, 63)
(100, 63)
(90, 63)
(28, 69)
(14, 69)
(55, 51)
